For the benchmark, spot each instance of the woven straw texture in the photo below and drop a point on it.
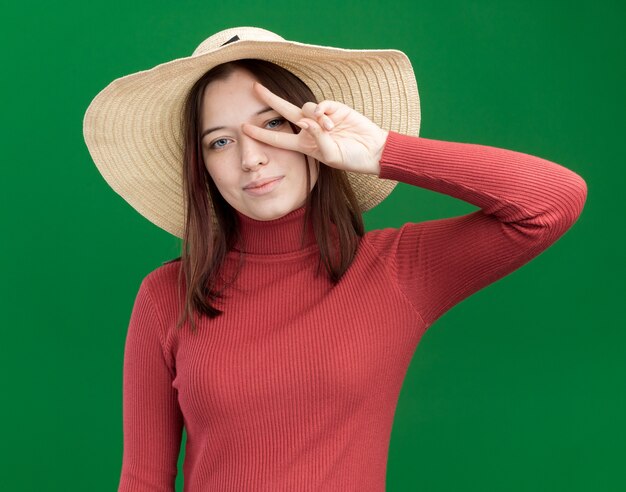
(133, 127)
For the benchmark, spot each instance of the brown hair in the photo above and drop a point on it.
(204, 247)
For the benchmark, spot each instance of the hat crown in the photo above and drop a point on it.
(239, 33)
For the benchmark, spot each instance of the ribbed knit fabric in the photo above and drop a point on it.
(295, 386)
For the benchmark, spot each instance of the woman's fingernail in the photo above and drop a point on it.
(328, 124)
(302, 125)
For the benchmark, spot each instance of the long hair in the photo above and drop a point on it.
(206, 243)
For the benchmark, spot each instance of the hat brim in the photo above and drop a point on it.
(133, 127)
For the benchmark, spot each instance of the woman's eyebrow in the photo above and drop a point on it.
(215, 128)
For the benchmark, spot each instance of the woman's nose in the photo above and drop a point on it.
(252, 153)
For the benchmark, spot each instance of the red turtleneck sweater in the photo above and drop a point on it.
(295, 386)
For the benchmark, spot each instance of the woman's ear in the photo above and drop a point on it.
(313, 164)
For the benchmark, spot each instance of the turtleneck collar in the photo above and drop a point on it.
(277, 236)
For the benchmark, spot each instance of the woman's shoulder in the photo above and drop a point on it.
(380, 241)
(164, 276)
(386, 242)
(387, 234)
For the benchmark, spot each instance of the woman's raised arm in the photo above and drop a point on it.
(526, 203)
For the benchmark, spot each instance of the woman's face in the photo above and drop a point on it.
(236, 161)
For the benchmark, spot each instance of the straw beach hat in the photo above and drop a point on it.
(133, 127)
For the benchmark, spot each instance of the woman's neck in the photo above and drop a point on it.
(276, 236)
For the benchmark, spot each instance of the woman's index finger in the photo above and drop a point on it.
(290, 111)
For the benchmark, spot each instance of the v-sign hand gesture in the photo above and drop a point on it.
(332, 133)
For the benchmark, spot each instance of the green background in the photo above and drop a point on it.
(521, 387)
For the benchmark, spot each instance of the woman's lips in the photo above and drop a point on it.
(266, 188)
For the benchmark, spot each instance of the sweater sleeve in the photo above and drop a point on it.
(152, 420)
(526, 203)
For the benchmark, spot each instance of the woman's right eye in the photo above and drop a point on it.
(217, 145)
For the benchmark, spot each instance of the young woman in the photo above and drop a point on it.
(281, 336)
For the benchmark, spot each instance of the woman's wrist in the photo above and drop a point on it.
(380, 146)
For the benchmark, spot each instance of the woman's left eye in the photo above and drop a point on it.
(278, 121)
